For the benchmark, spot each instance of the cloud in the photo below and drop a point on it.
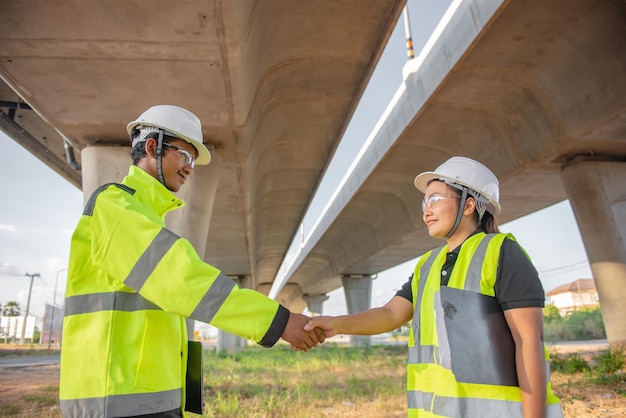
(9, 228)
(7, 268)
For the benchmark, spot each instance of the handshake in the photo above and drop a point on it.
(303, 332)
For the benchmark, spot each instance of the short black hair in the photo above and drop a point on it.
(138, 152)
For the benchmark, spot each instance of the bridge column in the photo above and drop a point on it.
(315, 303)
(226, 341)
(103, 164)
(597, 193)
(192, 220)
(358, 291)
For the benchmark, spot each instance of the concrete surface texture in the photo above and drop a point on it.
(528, 87)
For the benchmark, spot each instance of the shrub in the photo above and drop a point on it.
(611, 360)
(568, 364)
(584, 324)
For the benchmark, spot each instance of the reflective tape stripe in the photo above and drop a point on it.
(483, 408)
(444, 357)
(122, 405)
(476, 408)
(423, 354)
(98, 302)
(474, 270)
(213, 299)
(424, 270)
(148, 261)
(419, 400)
(548, 377)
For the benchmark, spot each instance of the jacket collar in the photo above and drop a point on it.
(151, 192)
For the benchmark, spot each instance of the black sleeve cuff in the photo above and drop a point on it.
(276, 328)
(523, 304)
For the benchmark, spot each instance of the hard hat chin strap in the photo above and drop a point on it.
(159, 156)
(459, 214)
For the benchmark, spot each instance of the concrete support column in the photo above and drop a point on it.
(597, 193)
(290, 296)
(226, 341)
(192, 220)
(103, 164)
(358, 291)
(315, 303)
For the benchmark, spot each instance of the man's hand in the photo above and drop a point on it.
(325, 323)
(298, 337)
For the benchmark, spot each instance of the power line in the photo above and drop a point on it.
(564, 269)
(2, 273)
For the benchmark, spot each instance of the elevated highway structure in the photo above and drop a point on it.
(536, 90)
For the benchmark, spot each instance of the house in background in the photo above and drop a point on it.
(572, 296)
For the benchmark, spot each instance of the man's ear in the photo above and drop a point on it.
(151, 146)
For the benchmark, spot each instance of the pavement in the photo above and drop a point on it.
(582, 347)
(28, 361)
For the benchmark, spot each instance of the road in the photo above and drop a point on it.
(26, 361)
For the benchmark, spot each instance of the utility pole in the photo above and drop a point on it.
(30, 290)
(54, 298)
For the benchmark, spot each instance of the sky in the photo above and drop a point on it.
(39, 209)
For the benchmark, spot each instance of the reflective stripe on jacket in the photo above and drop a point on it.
(433, 389)
(131, 284)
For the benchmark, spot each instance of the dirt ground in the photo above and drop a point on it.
(32, 392)
(29, 392)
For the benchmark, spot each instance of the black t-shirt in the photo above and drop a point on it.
(517, 280)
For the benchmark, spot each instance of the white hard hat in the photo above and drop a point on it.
(177, 122)
(465, 172)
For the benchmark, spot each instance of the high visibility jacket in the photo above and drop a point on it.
(433, 389)
(131, 284)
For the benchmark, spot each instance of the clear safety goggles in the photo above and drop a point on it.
(184, 156)
(434, 200)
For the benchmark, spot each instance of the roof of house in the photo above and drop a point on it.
(580, 285)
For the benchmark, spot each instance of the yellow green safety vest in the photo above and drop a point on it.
(433, 389)
(131, 284)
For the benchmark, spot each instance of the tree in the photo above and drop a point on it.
(11, 308)
(551, 314)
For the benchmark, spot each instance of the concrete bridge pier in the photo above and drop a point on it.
(358, 291)
(596, 190)
(315, 303)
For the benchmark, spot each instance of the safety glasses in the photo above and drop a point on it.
(434, 200)
(184, 155)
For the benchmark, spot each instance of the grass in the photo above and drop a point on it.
(8, 350)
(329, 381)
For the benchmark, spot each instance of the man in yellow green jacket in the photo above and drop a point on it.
(132, 282)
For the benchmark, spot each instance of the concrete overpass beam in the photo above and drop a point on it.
(358, 291)
(315, 303)
(597, 194)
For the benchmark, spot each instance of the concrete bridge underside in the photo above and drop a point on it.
(536, 90)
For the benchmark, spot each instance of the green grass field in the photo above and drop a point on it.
(327, 381)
